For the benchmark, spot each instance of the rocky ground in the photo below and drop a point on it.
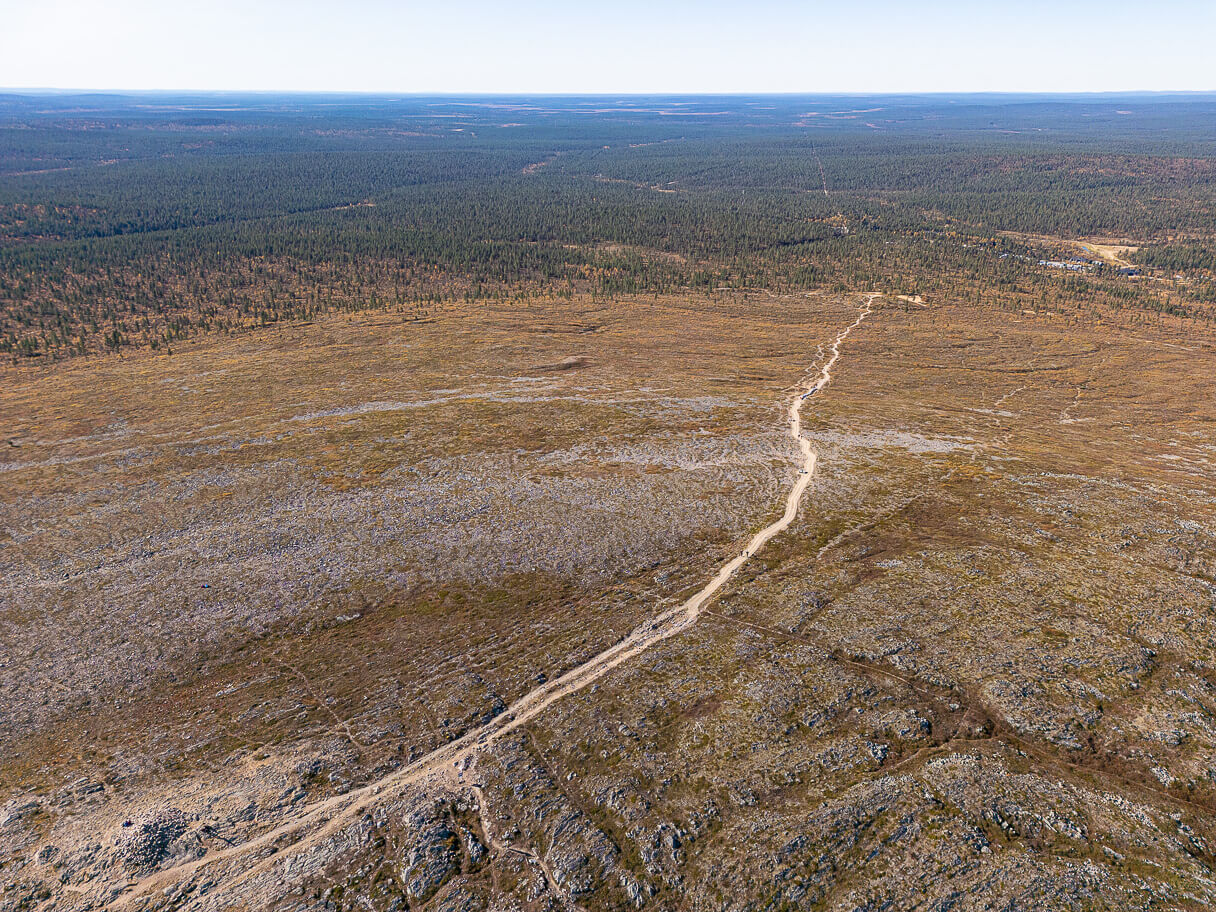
(248, 590)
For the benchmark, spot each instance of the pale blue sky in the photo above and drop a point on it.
(620, 47)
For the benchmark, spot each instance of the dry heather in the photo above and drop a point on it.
(250, 587)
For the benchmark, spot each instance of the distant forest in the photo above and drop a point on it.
(142, 220)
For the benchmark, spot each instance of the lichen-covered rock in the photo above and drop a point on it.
(434, 853)
(146, 842)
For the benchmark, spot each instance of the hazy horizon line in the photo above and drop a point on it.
(442, 93)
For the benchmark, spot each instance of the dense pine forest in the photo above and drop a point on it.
(142, 220)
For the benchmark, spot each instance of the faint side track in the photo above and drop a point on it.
(823, 176)
(323, 818)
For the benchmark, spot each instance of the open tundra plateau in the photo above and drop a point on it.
(377, 612)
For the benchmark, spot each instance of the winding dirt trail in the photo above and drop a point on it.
(323, 818)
